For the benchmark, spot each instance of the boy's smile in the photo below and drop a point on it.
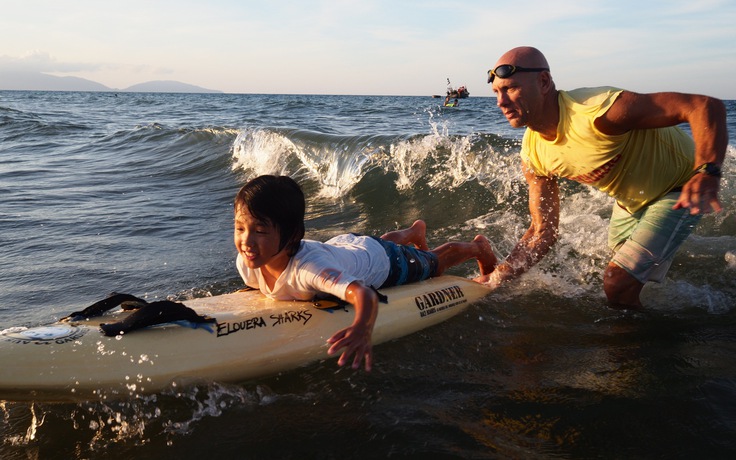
(257, 242)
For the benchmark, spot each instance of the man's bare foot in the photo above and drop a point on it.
(487, 259)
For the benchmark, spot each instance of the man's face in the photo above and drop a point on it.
(515, 96)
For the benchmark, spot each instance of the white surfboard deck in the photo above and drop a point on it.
(253, 337)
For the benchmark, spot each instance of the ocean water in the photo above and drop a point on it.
(131, 192)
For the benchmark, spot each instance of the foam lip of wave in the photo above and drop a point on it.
(338, 163)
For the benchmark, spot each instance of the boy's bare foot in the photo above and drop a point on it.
(416, 235)
(487, 259)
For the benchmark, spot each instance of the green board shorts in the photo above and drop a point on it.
(644, 243)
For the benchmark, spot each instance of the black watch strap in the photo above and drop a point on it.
(709, 169)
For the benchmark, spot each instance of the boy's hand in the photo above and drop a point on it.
(356, 341)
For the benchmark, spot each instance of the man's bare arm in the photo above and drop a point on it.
(707, 119)
(544, 209)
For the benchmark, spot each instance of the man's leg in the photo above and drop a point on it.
(621, 288)
(644, 244)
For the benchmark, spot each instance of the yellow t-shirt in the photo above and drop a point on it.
(635, 168)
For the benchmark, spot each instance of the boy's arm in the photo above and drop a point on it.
(356, 339)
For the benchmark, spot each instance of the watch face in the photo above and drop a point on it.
(712, 170)
(709, 169)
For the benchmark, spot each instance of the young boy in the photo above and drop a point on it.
(273, 256)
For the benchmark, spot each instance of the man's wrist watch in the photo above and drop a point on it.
(709, 169)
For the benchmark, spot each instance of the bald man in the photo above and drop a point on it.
(622, 143)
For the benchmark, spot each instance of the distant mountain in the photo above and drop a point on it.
(167, 86)
(36, 81)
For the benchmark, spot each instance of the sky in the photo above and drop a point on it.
(373, 47)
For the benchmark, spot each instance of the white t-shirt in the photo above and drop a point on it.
(324, 267)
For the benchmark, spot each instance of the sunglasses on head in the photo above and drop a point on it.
(506, 70)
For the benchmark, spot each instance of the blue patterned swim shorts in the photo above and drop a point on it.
(408, 264)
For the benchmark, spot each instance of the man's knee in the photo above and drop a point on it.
(620, 287)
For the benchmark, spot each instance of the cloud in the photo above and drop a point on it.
(40, 61)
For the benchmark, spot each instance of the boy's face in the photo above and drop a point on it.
(258, 241)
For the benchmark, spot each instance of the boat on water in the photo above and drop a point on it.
(460, 93)
(452, 93)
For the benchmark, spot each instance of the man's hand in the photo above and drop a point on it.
(700, 195)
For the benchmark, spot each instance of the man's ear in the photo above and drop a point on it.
(545, 82)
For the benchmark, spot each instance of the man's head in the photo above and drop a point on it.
(523, 86)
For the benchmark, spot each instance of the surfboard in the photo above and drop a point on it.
(249, 337)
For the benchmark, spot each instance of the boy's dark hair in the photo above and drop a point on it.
(280, 201)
